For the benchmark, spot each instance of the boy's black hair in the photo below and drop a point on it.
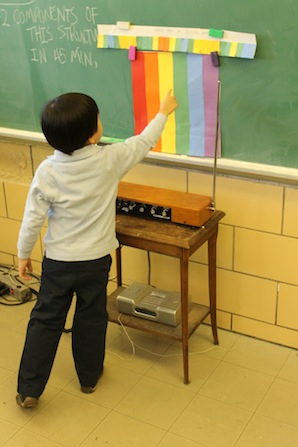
(69, 120)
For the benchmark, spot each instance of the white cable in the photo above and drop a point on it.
(134, 345)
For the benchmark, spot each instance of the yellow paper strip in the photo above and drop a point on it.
(172, 45)
(100, 41)
(155, 43)
(233, 49)
(127, 41)
(166, 82)
(206, 46)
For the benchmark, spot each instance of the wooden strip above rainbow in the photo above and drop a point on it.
(186, 40)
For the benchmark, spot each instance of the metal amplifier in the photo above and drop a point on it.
(148, 302)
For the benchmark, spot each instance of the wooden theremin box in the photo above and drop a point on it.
(164, 204)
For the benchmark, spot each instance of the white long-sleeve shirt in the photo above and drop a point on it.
(77, 193)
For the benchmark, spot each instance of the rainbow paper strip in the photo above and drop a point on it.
(191, 130)
(184, 40)
(173, 44)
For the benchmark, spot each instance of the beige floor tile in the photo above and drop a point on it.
(5, 374)
(212, 423)
(11, 347)
(63, 371)
(65, 340)
(13, 316)
(171, 440)
(113, 331)
(155, 402)
(289, 371)
(257, 355)
(169, 369)
(169, 366)
(21, 327)
(115, 383)
(266, 432)
(281, 402)
(204, 357)
(7, 430)
(147, 348)
(120, 430)
(243, 393)
(237, 386)
(67, 419)
(69, 318)
(11, 412)
(202, 342)
(25, 438)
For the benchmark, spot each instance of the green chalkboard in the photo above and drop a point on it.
(48, 48)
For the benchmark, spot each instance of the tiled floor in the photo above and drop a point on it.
(243, 393)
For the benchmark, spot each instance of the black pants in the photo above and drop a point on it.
(59, 282)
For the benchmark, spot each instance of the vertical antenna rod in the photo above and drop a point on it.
(216, 147)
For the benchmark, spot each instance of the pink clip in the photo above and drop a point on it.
(132, 52)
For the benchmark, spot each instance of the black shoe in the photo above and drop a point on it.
(90, 389)
(26, 402)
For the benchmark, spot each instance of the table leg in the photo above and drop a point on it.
(184, 311)
(212, 283)
(119, 266)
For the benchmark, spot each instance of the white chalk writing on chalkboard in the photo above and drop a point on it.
(17, 3)
(57, 34)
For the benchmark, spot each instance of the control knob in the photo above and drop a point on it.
(131, 206)
(165, 212)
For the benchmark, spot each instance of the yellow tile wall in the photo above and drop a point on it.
(134, 266)
(2, 201)
(266, 255)
(39, 153)
(247, 204)
(165, 272)
(8, 239)
(288, 306)
(247, 295)
(16, 162)
(16, 194)
(265, 331)
(157, 176)
(257, 250)
(291, 212)
(6, 259)
(225, 242)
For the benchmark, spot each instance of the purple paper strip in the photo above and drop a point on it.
(210, 82)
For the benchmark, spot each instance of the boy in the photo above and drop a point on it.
(76, 189)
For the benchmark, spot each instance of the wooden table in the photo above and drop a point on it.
(179, 241)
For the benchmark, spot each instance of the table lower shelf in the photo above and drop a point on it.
(196, 316)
